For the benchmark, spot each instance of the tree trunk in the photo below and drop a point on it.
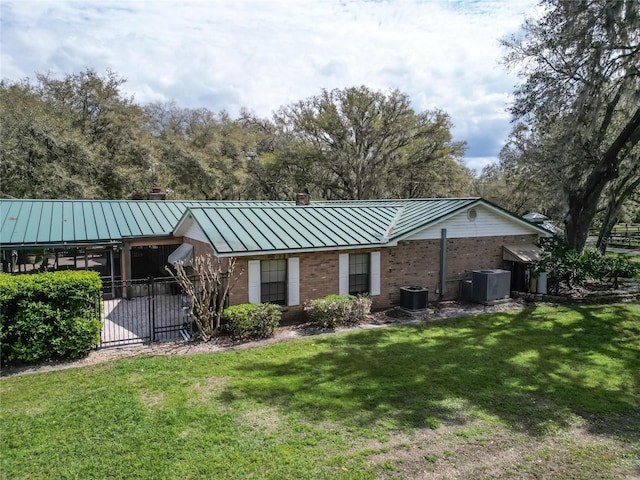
(618, 197)
(583, 203)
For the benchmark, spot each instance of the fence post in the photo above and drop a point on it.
(152, 310)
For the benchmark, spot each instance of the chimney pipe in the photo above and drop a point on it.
(156, 194)
(302, 198)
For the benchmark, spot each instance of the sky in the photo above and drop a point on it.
(265, 54)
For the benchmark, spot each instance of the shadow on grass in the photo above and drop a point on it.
(535, 370)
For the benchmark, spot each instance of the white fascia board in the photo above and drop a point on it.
(183, 224)
(307, 250)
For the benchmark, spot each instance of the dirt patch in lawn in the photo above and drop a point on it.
(494, 453)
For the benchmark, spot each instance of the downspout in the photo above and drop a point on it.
(443, 261)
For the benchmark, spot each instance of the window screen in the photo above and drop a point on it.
(359, 264)
(273, 281)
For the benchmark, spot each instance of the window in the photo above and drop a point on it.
(359, 279)
(273, 281)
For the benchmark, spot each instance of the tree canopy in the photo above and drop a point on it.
(366, 144)
(81, 137)
(579, 103)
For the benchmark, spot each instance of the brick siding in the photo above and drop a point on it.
(415, 262)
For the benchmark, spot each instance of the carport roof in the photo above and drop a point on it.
(68, 222)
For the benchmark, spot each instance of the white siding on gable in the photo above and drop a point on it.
(194, 232)
(487, 223)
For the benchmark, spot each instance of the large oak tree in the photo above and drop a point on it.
(361, 144)
(581, 95)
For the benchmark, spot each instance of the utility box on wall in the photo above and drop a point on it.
(490, 285)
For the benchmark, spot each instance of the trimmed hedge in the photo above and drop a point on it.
(250, 320)
(335, 310)
(49, 315)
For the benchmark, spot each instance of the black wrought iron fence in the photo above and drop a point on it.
(144, 311)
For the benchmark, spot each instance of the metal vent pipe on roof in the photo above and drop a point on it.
(302, 198)
(156, 194)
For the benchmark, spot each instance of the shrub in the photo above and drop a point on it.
(566, 266)
(619, 267)
(335, 310)
(49, 315)
(250, 320)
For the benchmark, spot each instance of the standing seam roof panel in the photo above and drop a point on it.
(151, 211)
(376, 220)
(20, 232)
(320, 228)
(280, 232)
(67, 223)
(111, 223)
(91, 221)
(79, 227)
(238, 225)
(208, 226)
(256, 222)
(376, 226)
(346, 238)
(296, 234)
(142, 224)
(227, 235)
(44, 230)
(125, 220)
(312, 230)
(275, 241)
(31, 229)
(102, 229)
(278, 240)
(312, 226)
(12, 212)
(57, 223)
(243, 217)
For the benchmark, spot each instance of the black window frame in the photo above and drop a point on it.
(273, 290)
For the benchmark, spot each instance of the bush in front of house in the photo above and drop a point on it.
(335, 310)
(250, 320)
(49, 315)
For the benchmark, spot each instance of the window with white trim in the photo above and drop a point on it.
(359, 273)
(274, 281)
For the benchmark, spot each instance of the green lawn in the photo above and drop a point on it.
(541, 393)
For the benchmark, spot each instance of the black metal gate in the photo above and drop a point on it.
(144, 311)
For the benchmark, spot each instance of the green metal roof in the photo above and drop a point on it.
(414, 214)
(234, 230)
(59, 222)
(232, 227)
(319, 226)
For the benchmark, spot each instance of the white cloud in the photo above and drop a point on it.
(265, 54)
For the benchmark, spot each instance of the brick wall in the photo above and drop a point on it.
(414, 262)
(417, 262)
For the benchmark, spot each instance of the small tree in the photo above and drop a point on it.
(207, 288)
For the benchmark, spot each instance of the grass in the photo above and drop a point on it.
(541, 393)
